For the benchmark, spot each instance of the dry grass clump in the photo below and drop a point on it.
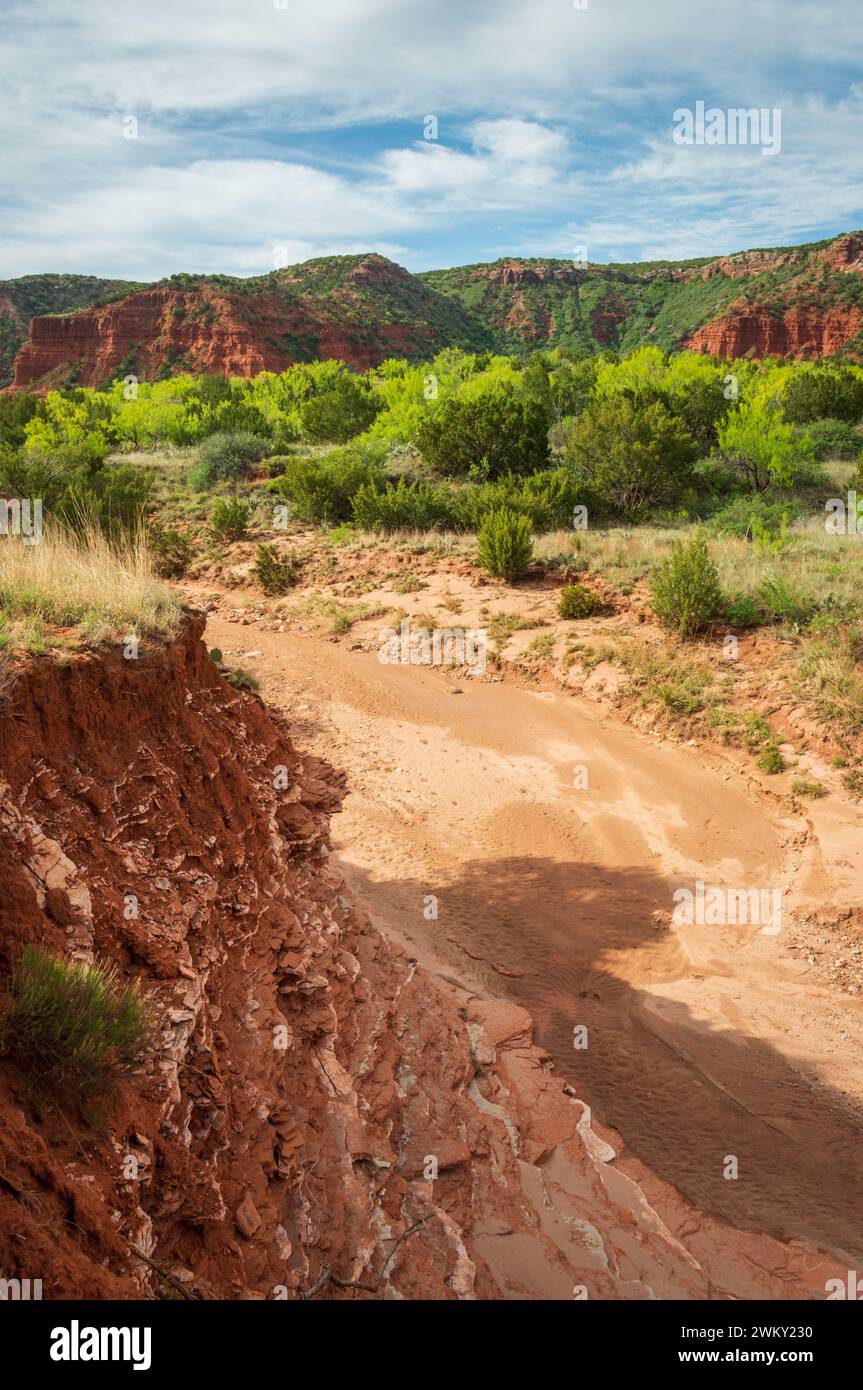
(831, 675)
(80, 580)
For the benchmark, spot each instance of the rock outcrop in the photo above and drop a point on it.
(357, 309)
(797, 302)
(798, 333)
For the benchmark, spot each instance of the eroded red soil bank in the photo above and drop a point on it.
(314, 1094)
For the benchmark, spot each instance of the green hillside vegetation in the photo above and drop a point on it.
(512, 306)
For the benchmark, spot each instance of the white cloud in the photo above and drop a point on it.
(511, 160)
(216, 215)
(554, 128)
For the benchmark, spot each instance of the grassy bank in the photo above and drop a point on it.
(79, 588)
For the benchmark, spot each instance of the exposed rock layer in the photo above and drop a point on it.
(319, 1113)
(365, 311)
(801, 302)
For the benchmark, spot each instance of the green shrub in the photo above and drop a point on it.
(837, 439)
(770, 541)
(505, 544)
(630, 456)
(78, 486)
(241, 679)
(274, 572)
(547, 499)
(114, 496)
(16, 412)
(171, 551)
(74, 1028)
(853, 783)
(702, 407)
(403, 506)
(230, 518)
(802, 787)
(783, 602)
(228, 457)
(771, 761)
(485, 434)
(745, 514)
(577, 601)
(686, 591)
(322, 491)
(743, 612)
(823, 393)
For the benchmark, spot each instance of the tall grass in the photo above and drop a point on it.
(831, 672)
(80, 580)
(73, 1028)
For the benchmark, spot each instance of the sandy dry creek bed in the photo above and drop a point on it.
(704, 1042)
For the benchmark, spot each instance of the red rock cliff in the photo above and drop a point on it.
(799, 333)
(209, 329)
(197, 331)
(319, 1115)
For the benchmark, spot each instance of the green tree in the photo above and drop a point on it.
(819, 393)
(485, 433)
(760, 449)
(630, 456)
(346, 408)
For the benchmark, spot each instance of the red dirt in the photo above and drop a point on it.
(263, 1167)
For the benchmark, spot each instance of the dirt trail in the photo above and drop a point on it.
(703, 1041)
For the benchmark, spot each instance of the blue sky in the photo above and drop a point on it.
(268, 132)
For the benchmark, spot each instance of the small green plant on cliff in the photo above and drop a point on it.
(505, 544)
(73, 1028)
(241, 679)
